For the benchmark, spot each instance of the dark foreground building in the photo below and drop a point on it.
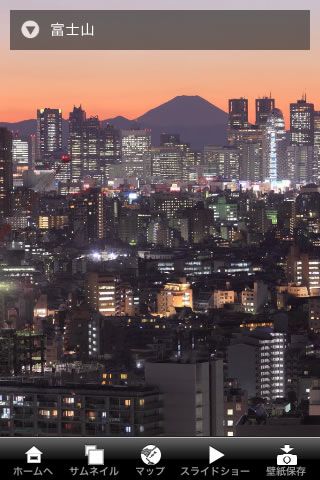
(78, 410)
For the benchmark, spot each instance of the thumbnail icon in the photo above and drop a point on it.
(95, 455)
(287, 458)
(30, 29)
(214, 455)
(151, 455)
(34, 455)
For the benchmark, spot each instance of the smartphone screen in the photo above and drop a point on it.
(159, 238)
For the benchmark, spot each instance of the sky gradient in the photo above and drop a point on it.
(130, 83)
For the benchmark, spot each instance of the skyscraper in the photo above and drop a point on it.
(92, 148)
(221, 162)
(49, 134)
(32, 150)
(134, 145)
(20, 160)
(264, 106)
(5, 172)
(317, 140)
(110, 146)
(166, 162)
(248, 139)
(77, 119)
(238, 112)
(301, 164)
(274, 147)
(302, 123)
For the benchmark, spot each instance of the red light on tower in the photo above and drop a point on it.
(65, 159)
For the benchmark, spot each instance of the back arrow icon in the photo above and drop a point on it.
(214, 455)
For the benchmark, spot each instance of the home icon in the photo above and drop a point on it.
(34, 455)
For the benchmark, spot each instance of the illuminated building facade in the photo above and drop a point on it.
(302, 123)
(83, 410)
(49, 134)
(20, 160)
(274, 147)
(221, 162)
(77, 120)
(134, 145)
(172, 296)
(6, 182)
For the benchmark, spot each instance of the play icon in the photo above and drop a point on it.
(30, 29)
(214, 455)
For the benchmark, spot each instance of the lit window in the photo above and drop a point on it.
(230, 434)
(68, 413)
(230, 411)
(127, 403)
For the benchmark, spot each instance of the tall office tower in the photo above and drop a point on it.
(302, 164)
(238, 112)
(317, 141)
(91, 153)
(6, 182)
(110, 146)
(221, 162)
(166, 163)
(248, 140)
(274, 147)
(77, 121)
(257, 360)
(190, 158)
(49, 134)
(32, 150)
(134, 145)
(193, 395)
(20, 160)
(264, 106)
(169, 139)
(302, 123)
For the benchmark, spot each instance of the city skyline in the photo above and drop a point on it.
(251, 108)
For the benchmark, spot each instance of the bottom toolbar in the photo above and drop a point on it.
(159, 457)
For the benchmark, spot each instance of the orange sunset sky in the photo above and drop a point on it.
(130, 83)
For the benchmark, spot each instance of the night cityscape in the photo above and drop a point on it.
(149, 287)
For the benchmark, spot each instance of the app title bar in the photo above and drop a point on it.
(160, 30)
